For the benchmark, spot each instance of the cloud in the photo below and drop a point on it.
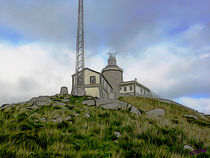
(169, 75)
(33, 69)
(109, 24)
(199, 104)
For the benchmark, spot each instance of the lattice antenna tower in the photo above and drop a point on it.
(79, 87)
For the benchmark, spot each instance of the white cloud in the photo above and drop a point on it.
(33, 69)
(168, 72)
(199, 104)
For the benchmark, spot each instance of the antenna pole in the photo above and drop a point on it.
(79, 85)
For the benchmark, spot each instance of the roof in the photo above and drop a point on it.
(130, 82)
(112, 67)
(90, 70)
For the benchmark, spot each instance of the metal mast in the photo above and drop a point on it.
(79, 87)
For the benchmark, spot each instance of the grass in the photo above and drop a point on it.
(22, 137)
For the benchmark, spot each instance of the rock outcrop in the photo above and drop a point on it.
(40, 101)
(89, 102)
(191, 116)
(117, 105)
(159, 112)
(187, 147)
(117, 134)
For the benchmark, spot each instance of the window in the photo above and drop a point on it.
(92, 79)
(131, 88)
(120, 88)
(125, 88)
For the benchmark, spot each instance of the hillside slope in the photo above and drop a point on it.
(61, 126)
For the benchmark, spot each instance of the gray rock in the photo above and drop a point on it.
(4, 106)
(33, 107)
(117, 134)
(156, 112)
(22, 103)
(53, 120)
(65, 100)
(135, 111)
(191, 116)
(89, 102)
(129, 106)
(100, 102)
(59, 119)
(56, 118)
(87, 115)
(187, 147)
(36, 121)
(202, 116)
(112, 104)
(41, 101)
(64, 91)
(76, 114)
(67, 97)
(43, 119)
(68, 118)
(57, 103)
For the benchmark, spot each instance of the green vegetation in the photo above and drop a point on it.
(24, 134)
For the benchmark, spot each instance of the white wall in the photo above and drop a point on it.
(128, 88)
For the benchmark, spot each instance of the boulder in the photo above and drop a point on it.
(187, 147)
(89, 102)
(135, 110)
(41, 101)
(87, 115)
(112, 104)
(4, 106)
(117, 134)
(156, 113)
(36, 120)
(76, 114)
(100, 102)
(43, 119)
(56, 118)
(33, 107)
(202, 116)
(68, 118)
(53, 120)
(59, 119)
(65, 100)
(64, 91)
(57, 103)
(191, 116)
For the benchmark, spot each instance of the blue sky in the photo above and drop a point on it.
(165, 44)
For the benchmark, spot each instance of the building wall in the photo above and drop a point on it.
(122, 90)
(105, 85)
(114, 77)
(89, 73)
(93, 91)
(141, 90)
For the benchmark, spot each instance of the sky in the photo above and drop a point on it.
(164, 44)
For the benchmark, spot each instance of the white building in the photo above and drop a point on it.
(109, 83)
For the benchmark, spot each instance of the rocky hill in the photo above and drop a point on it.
(65, 126)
